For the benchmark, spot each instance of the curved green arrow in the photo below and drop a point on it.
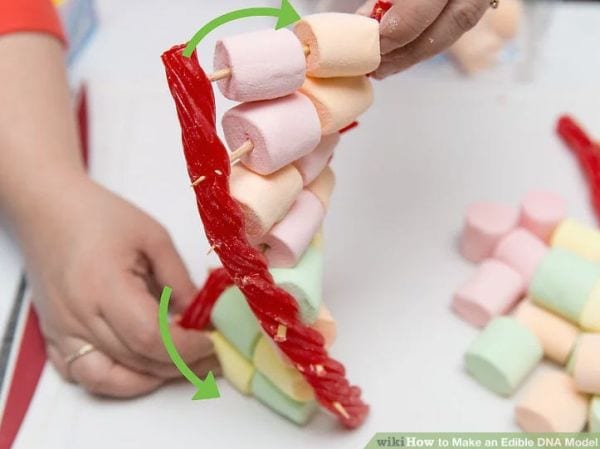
(207, 388)
(286, 15)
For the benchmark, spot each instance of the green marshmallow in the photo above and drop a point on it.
(272, 397)
(563, 283)
(503, 355)
(236, 322)
(595, 415)
(304, 282)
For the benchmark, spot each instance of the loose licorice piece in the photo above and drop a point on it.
(197, 315)
(275, 309)
(587, 152)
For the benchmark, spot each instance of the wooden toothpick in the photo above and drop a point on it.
(244, 149)
(340, 408)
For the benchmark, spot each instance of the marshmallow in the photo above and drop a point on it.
(264, 199)
(557, 336)
(264, 65)
(477, 49)
(542, 212)
(326, 326)
(552, 404)
(339, 101)
(523, 251)
(311, 165)
(503, 355)
(287, 240)
(505, 19)
(485, 225)
(586, 364)
(283, 375)
(563, 283)
(233, 318)
(341, 45)
(236, 368)
(579, 239)
(304, 282)
(280, 130)
(491, 291)
(590, 315)
(297, 412)
(323, 186)
(595, 415)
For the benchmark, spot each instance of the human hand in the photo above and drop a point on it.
(415, 30)
(97, 265)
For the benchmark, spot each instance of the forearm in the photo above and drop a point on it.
(39, 149)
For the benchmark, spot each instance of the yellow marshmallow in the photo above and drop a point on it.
(590, 316)
(579, 239)
(236, 368)
(283, 375)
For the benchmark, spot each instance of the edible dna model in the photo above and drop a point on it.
(298, 91)
(536, 293)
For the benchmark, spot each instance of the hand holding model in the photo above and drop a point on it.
(415, 30)
(94, 261)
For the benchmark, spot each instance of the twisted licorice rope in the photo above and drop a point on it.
(275, 309)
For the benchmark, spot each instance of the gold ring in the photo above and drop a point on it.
(494, 3)
(83, 351)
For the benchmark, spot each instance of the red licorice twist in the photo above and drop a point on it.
(197, 315)
(223, 221)
(588, 154)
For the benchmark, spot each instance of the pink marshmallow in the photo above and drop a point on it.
(522, 251)
(264, 65)
(542, 212)
(287, 241)
(311, 165)
(326, 326)
(492, 291)
(485, 225)
(281, 131)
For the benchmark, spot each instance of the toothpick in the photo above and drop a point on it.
(219, 75)
(281, 333)
(340, 408)
(210, 250)
(244, 149)
(228, 72)
(198, 181)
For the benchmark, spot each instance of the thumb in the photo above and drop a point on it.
(168, 269)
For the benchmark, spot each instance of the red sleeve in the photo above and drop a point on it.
(30, 15)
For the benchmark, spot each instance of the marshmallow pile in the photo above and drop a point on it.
(536, 294)
(298, 91)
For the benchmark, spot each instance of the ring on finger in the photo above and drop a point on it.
(81, 352)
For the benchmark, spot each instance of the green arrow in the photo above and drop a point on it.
(286, 15)
(207, 388)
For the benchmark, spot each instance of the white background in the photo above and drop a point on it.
(433, 143)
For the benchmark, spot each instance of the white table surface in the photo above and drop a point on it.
(426, 150)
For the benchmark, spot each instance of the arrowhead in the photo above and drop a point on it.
(287, 15)
(207, 389)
